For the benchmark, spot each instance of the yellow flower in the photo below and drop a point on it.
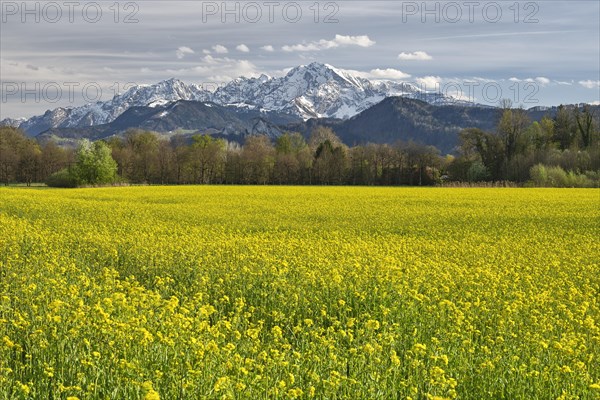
(372, 324)
(24, 388)
(221, 383)
(419, 348)
(277, 332)
(9, 343)
(566, 369)
(152, 395)
(394, 358)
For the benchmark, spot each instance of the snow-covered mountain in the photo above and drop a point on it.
(309, 91)
(13, 122)
(316, 91)
(103, 112)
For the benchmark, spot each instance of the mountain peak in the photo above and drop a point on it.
(317, 73)
(313, 66)
(307, 91)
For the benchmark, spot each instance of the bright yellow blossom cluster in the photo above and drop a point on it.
(298, 293)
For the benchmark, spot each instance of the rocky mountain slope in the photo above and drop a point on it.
(308, 91)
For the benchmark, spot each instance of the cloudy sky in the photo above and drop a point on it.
(536, 53)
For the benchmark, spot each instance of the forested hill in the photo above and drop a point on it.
(559, 151)
(403, 119)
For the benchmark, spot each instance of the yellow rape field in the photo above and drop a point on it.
(286, 292)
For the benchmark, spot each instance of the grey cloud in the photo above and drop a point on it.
(563, 46)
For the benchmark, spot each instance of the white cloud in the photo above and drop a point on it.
(302, 47)
(281, 72)
(219, 49)
(541, 80)
(182, 51)
(338, 41)
(268, 48)
(378, 74)
(414, 56)
(590, 84)
(210, 59)
(362, 41)
(243, 48)
(388, 73)
(429, 82)
(595, 103)
(205, 51)
(213, 71)
(18, 71)
(480, 79)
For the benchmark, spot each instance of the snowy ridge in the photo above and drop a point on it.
(103, 112)
(12, 122)
(308, 91)
(318, 91)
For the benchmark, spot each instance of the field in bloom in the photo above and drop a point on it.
(279, 292)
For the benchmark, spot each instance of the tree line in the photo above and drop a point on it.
(567, 145)
(149, 158)
(559, 151)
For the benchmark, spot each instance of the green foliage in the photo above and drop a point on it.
(564, 128)
(539, 175)
(94, 164)
(290, 143)
(569, 140)
(62, 179)
(555, 176)
(485, 147)
(477, 172)
(564, 145)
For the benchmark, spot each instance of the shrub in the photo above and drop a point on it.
(543, 176)
(62, 179)
(478, 172)
(539, 175)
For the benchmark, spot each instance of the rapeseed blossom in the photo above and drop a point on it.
(291, 292)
